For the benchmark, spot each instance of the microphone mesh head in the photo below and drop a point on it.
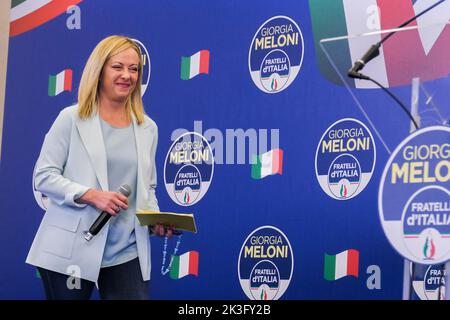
(125, 190)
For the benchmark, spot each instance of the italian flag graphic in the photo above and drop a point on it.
(267, 164)
(194, 65)
(263, 294)
(29, 14)
(187, 198)
(429, 248)
(184, 265)
(59, 83)
(343, 264)
(422, 49)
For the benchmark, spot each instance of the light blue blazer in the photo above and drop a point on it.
(72, 160)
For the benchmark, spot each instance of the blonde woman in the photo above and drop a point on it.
(93, 148)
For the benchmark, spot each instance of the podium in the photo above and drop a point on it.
(413, 65)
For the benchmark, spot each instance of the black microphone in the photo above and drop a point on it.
(373, 52)
(374, 49)
(104, 216)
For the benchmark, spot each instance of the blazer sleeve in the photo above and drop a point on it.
(153, 202)
(48, 175)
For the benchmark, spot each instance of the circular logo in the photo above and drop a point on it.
(146, 67)
(276, 54)
(414, 196)
(434, 282)
(188, 169)
(345, 159)
(41, 199)
(428, 281)
(265, 264)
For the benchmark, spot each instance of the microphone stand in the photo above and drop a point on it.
(355, 73)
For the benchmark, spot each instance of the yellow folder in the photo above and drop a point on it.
(180, 221)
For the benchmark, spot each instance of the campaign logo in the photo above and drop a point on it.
(431, 285)
(345, 159)
(434, 282)
(429, 41)
(276, 54)
(188, 169)
(28, 14)
(194, 65)
(146, 66)
(345, 263)
(414, 196)
(265, 264)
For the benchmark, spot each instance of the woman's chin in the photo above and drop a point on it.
(122, 97)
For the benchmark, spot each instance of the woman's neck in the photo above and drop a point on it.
(114, 112)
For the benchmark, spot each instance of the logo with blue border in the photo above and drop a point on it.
(266, 263)
(414, 196)
(276, 54)
(434, 282)
(429, 281)
(345, 159)
(188, 169)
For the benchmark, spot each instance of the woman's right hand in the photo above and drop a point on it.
(111, 202)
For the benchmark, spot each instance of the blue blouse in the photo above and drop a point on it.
(122, 169)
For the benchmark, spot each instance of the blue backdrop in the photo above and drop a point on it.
(226, 98)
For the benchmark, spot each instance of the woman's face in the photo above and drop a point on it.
(119, 75)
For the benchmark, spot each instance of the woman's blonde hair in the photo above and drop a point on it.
(89, 84)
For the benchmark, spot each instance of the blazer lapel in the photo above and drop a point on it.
(141, 136)
(92, 138)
